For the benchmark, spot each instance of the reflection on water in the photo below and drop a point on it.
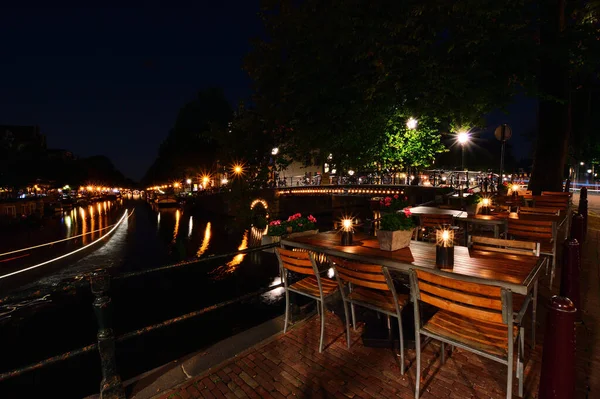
(85, 238)
(239, 257)
(205, 241)
(158, 221)
(176, 229)
(190, 226)
(275, 294)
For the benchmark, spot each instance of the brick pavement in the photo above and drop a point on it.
(290, 366)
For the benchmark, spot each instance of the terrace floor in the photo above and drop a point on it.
(289, 365)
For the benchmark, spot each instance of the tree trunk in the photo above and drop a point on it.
(553, 137)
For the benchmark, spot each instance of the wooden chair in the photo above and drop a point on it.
(428, 223)
(551, 201)
(558, 193)
(372, 287)
(540, 231)
(556, 201)
(314, 286)
(513, 247)
(539, 211)
(475, 317)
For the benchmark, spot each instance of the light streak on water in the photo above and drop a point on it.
(190, 226)
(124, 217)
(205, 240)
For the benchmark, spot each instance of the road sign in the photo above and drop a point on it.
(503, 132)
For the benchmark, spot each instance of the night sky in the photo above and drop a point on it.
(109, 81)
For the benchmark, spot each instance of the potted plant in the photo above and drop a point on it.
(473, 203)
(298, 225)
(395, 230)
(275, 230)
(392, 204)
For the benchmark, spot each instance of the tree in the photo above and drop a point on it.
(335, 71)
(193, 145)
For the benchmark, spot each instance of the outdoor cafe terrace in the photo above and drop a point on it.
(287, 365)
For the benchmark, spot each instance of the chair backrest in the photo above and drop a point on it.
(299, 262)
(551, 201)
(515, 247)
(435, 220)
(363, 274)
(472, 300)
(533, 229)
(539, 210)
(558, 193)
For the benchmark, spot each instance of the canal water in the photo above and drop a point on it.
(147, 238)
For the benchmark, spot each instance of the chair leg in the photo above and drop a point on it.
(509, 374)
(347, 323)
(318, 308)
(418, 350)
(401, 339)
(322, 304)
(443, 353)
(353, 316)
(520, 363)
(287, 310)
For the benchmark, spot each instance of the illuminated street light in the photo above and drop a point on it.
(581, 163)
(411, 123)
(224, 181)
(189, 181)
(238, 169)
(462, 137)
(275, 151)
(589, 171)
(351, 172)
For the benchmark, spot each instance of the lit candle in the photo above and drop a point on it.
(485, 206)
(347, 231)
(444, 250)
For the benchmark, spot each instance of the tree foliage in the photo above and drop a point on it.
(193, 145)
(407, 147)
(337, 71)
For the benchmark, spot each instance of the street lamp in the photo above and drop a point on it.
(411, 123)
(463, 138)
(275, 151)
(189, 181)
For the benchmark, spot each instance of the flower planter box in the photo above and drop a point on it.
(473, 209)
(266, 240)
(394, 240)
(303, 233)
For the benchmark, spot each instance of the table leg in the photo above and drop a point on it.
(496, 231)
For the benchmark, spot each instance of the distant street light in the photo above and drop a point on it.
(189, 181)
(238, 169)
(351, 172)
(411, 123)
(589, 171)
(581, 163)
(275, 151)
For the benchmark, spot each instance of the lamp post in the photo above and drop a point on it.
(463, 138)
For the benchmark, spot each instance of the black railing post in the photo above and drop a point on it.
(111, 386)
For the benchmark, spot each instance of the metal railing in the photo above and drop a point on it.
(99, 280)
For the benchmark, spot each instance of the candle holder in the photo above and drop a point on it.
(485, 206)
(347, 232)
(444, 248)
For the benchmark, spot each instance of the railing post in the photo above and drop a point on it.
(557, 379)
(583, 209)
(568, 185)
(577, 228)
(111, 386)
(569, 278)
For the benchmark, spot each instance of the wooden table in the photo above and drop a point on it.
(430, 210)
(514, 272)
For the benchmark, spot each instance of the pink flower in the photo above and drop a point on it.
(407, 212)
(300, 224)
(381, 202)
(396, 196)
(312, 219)
(275, 223)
